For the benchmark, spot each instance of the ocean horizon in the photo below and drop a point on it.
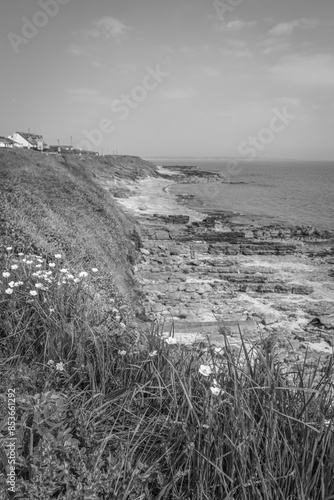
(297, 192)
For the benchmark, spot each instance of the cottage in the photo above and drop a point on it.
(30, 141)
(5, 142)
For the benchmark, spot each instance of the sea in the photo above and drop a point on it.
(284, 191)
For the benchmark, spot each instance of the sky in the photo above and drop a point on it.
(205, 78)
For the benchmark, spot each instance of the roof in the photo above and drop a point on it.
(6, 139)
(32, 138)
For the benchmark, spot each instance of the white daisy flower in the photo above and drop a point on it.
(6, 274)
(33, 293)
(205, 370)
(171, 341)
(216, 391)
(58, 256)
(14, 266)
(9, 291)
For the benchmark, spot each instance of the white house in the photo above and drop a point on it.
(30, 141)
(5, 142)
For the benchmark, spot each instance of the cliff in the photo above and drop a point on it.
(55, 204)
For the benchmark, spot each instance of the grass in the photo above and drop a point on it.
(101, 415)
(105, 413)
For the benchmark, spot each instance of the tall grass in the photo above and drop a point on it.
(102, 414)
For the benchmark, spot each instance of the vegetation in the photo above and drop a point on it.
(105, 413)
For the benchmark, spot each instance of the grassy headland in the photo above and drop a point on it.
(103, 414)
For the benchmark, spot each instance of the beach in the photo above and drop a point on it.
(203, 271)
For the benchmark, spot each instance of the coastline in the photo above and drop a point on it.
(201, 270)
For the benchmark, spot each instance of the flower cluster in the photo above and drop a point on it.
(208, 371)
(38, 274)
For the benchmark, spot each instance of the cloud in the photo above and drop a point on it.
(236, 48)
(235, 43)
(287, 28)
(77, 50)
(294, 101)
(236, 25)
(108, 28)
(87, 96)
(177, 93)
(211, 71)
(270, 45)
(193, 51)
(310, 70)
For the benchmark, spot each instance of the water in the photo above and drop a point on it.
(295, 192)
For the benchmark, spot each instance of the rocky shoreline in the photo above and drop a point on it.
(202, 270)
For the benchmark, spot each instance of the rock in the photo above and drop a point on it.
(302, 289)
(269, 319)
(162, 235)
(144, 251)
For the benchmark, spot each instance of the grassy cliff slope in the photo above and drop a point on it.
(53, 204)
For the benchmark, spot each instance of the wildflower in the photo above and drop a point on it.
(50, 362)
(6, 275)
(152, 354)
(171, 341)
(19, 283)
(70, 277)
(20, 254)
(33, 293)
(24, 260)
(205, 370)
(36, 274)
(29, 262)
(122, 325)
(94, 270)
(216, 390)
(38, 285)
(38, 265)
(48, 273)
(122, 353)
(9, 249)
(11, 284)
(76, 280)
(52, 309)
(83, 274)
(60, 367)
(58, 256)
(118, 318)
(63, 271)
(52, 264)
(9, 291)
(40, 261)
(219, 350)
(14, 266)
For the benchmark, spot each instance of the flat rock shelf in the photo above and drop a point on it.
(216, 276)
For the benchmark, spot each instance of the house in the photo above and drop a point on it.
(30, 141)
(5, 142)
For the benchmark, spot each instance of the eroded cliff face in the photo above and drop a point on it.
(201, 270)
